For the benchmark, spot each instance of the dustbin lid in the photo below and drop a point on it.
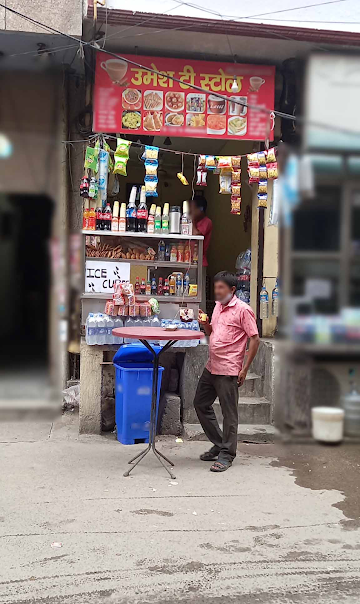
(133, 353)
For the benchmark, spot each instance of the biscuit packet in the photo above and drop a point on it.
(236, 162)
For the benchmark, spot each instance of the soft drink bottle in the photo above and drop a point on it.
(107, 218)
(131, 212)
(153, 287)
(99, 219)
(101, 327)
(142, 213)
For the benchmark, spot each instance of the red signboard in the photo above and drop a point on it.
(133, 100)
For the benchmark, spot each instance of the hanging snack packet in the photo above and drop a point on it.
(235, 204)
(236, 190)
(272, 171)
(122, 147)
(262, 200)
(202, 160)
(150, 187)
(262, 186)
(254, 174)
(270, 156)
(91, 159)
(210, 162)
(262, 171)
(225, 184)
(252, 159)
(182, 178)
(201, 177)
(120, 165)
(261, 158)
(151, 152)
(151, 167)
(224, 162)
(236, 162)
(236, 176)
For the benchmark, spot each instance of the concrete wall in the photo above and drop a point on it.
(63, 15)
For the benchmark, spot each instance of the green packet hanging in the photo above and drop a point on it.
(91, 159)
(122, 147)
(120, 165)
(121, 156)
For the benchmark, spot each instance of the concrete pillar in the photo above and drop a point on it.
(91, 358)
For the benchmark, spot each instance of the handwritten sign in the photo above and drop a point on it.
(133, 100)
(100, 276)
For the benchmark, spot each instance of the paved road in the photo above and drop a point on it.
(281, 526)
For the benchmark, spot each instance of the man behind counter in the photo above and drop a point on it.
(202, 225)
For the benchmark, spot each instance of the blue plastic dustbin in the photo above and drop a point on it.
(133, 389)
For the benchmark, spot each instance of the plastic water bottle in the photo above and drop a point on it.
(129, 322)
(118, 323)
(90, 334)
(155, 322)
(109, 328)
(264, 303)
(275, 300)
(195, 326)
(101, 326)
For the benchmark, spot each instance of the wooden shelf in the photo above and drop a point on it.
(143, 235)
(147, 262)
(141, 298)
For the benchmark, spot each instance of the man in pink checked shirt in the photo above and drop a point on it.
(233, 322)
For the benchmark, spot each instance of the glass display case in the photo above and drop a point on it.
(167, 267)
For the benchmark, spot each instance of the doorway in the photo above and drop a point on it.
(25, 227)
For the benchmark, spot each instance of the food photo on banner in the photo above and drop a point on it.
(133, 99)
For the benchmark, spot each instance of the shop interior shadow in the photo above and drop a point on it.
(25, 224)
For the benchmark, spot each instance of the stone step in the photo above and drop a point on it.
(256, 433)
(251, 410)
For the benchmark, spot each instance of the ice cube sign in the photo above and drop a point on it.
(100, 276)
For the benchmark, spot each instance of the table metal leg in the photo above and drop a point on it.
(152, 427)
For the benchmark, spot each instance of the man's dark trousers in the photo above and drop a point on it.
(225, 387)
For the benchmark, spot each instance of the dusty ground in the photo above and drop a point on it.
(281, 526)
